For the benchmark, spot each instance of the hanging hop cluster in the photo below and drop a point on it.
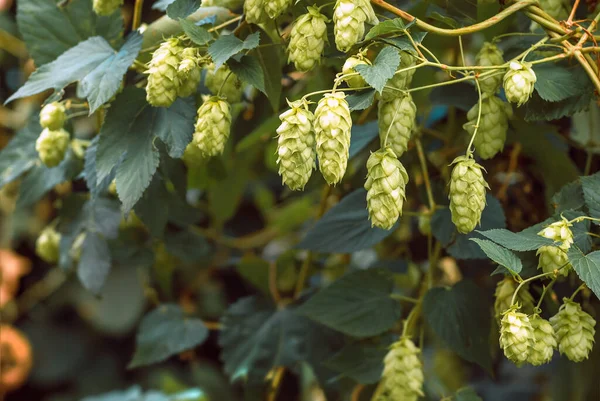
(230, 4)
(493, 125)
(255, 11)
(488, 56)
(519, 82)
(385, 185)
(402, 377)
(559, 231)
(544, 341)
(355, 81)
(401, 79)
(307, 40)
(106, 7)
(553, 258)
(47, 245)
(275, 8)
(223, 79)
(397, 120)
(332, 128)
(163, 79)
(213, 125)
(349, 17)
(516, 335)
(52, 146)
(296, 145)
(189, 72)
(53, 116)
(505, 290)
(467, 194)
(574, 331)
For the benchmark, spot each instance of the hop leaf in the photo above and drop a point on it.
(106, 7)
(544, 341)
(275, 8)
(505, 290)
(230, 85)
(488, 56)
(401, 80)
(519, 82)
(255, 11)
(212, 127)
(493, 125)
(307, 40)
(355, 81)
(467, 194)
(296, 146)
(516, 336)
(53, 116)
(559, 231)
(349, 17)
(189, 72)
(553, 259)
(396, 120)
(47, 245)
(52, 146)
(574, 331)
(163, 81)
(332, 128)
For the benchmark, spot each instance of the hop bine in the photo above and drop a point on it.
(516, 336)
(213, 125)
(396, 119)
(349, 17)
(544, 341)
(47, 245)
(401, 80)
(163, 80)
(493, 125)
(519, 82)
(53, 116)
(230, 86)
(574, 331)
(106, 7)
(307, 40)
(52, 146)
(467, 194)
(489, 56)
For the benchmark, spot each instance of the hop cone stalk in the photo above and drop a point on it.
(559, 231)
(553, 259)
(307, 40)
(230, 85)
(396, 120)
(53, 116)
(574, 331)
(230, 4)
(504, 293)
(355, 81)
(519, 82)
(488, 56)
(467, 194)
(106, 7)
(400, 80)
(212, 126)
(516, 336)
(402, 378)
(557, 9)
(296, 146)
(47, 245)
(385, 185)
(275, 8)
(189, 72)
(332, 128)
(493, 125)
(349, 17)
(255, 11)
(163, 80)
(52, 146)
(544, 341)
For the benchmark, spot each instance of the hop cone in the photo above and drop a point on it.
(559, 231)
(544, 341)
(488, 56)
(106, 7)
(188, 72)
(396, 120)
(467, 194)
(504, 293)
(275, 8)
(493, 125)
(230, 4)
(519, 82)
(355, 81)
(225, 80)
(332, 128)
(53, 116)
(400, 80)
(516, 336)
(255, 11)
(307, 40)
(552, 258)
(558, 9)
(212, 127)
(47, 245)
(296, 146)
(52, 146)
(349, 17)
(385, 185)
(574, 331)
(163, 81)
(193, 156)
(402, 378)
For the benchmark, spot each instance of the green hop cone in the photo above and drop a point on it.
(52, 146)
(275, 8)
(213, 125)
(255, 11)
(53, 116)
(332, 129)
(493, 125)
(488, 56)
(189, 72)
(401, 80)
(544, 341)
(467, 194)
(559, 231)
(230, 4)
(193, 156)
(505, 290)
(402, 378)
(516, 336)
(47, 245)
(396, 119)
(163, 80)
(307, 40)
(553, 259)
(574, 331)
(230, 85)
(106, 7)
(519, 82)
(355, 81)
(557, 9)
(296, 146)
(349, 17)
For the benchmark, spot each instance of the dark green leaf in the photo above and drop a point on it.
(197, 34)
(91, 179)
(384, 67)
(256, 271)
(587, 267)
(460, 95)
(466, 394)
(20, 155)
(363, 363)
(248, 69)
(522, 241)
(227, 46)
(557, 82)
(395, 25)
(500, 255)
(361, 136)
(182, 8)
(442, 227)
(570, 197)
(270, 59)
(403, 42)
(155, 219)
(591, 194)
(175, 125)
(361, 100)
(188, 246)
(95, 262)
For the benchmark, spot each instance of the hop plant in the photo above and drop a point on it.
(230, 4)
(401, 80)
(275, 8)
(557, 9)
(553, 259)
(354, 81)
(396, 119)
(505, 290)
(47, 245)
(106, 7)
(544, 341)
(255, 11)
(213, 125)
(52, 146)
(163, 80)
(189, 72)
(493, 125)
(559, 231)
(307, 40)
(574, 331)
(296, 145)
(516, 336)
(488, 56)
(385, 185)
(332, 128)
(467, 194)
(193, 156)
(402, 378)
(53, 116)
(519, 82)
(349, 17)
(223, 79)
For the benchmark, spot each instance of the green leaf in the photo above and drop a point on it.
(225, 194)
(248, 69)
(358, 304)
(261, 134)
(94, 63)
(155, 219)
(182, 8)
(256, 271)
(360, 362)
(345, 228)
(403, 42)
(89, 171)
(188, 246)
(587, 267)
(165, 332)
(95, 262)
(557, 82)
(521, 241)
(466, 394)
(384, 67)
(461, 95)
(19, 156)
(227, 46)
(361, 100)
(591, 194)
(460, 317)
(361, 136)
(395, 25)
(197, 34)
(500, 255)
(570, 197)
(135, 394)
(49, 30)
(175, 125)
(270, 59)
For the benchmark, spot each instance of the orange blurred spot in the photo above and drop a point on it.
(12, 267)
(15, 358)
